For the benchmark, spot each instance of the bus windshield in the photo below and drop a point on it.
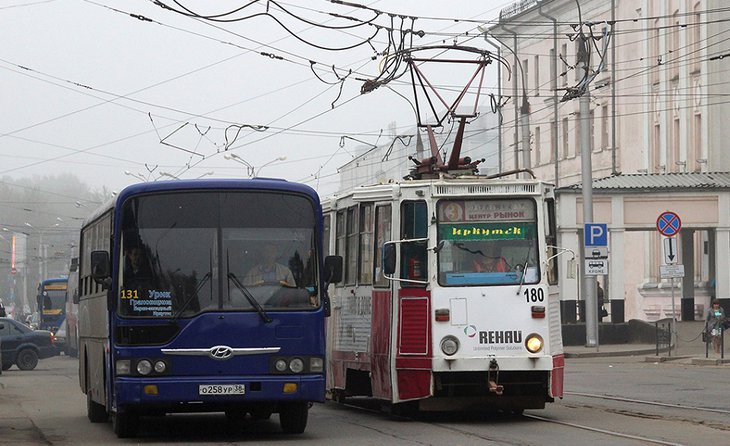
(54, 300)
(189, 252)
(487, 242)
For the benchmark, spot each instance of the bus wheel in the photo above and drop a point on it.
(27, 359)
(293, 417)
(125, 424)
(95, 411)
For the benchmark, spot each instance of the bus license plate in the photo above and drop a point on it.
(221, 389)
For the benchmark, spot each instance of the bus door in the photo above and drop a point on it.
(413, 324)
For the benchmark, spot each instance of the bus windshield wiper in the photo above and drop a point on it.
(187, 302)
(252, 300)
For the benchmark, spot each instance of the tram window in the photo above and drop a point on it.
(383, 221)
(488, 242)
(366, 244)
(326, 235)
(352, 251)
(551, 240)
(340, 236)
(414, 224)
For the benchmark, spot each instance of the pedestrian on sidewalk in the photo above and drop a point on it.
(714, 324)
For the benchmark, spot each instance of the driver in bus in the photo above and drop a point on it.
(136, 271)
(269, 271)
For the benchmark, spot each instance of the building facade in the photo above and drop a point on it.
(655, 82)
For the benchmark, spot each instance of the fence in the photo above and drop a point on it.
(663, 335)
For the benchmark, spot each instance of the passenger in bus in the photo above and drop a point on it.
(269, 271)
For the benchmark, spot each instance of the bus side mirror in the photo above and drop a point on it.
(100, 268)
(333, 267)
(389, 259)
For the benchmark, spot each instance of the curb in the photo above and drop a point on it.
(600, 354)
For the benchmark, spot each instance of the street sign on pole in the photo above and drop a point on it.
(596, 267)
(671, 271)
(670, 251)
(595, 241)
(668, 224)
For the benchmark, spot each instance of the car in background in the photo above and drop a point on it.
(59, 339)
(22, 346)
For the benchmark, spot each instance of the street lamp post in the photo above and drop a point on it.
(281, 158)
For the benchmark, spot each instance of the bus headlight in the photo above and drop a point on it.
(296, 365)
(534, 343)
(123, 366)
(144, 367)
(280, 365)
(160, 366)
(449, 345)
(316, 365)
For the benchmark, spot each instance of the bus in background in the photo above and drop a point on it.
(51, 301)
(72, 310)
(204, 296)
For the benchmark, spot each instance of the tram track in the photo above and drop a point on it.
(649, 403)
(502, 440)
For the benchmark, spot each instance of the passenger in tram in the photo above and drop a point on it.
(491, 262)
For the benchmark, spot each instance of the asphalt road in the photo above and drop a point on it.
(45, 406)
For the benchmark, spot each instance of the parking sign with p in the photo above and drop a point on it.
(595, 240)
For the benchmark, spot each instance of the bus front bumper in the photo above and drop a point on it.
(174, 390)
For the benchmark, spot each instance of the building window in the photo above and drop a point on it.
(564, 71)
(526, 75)
(553, 70)
(604, 126)
(553, 140)
(536, 69)
(537, 161)
(565, 136)
(696, 142)
(592, 129)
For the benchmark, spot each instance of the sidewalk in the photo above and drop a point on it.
(687, 349)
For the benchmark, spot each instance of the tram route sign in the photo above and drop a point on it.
(668, 224)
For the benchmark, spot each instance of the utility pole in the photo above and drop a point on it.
(589, 282)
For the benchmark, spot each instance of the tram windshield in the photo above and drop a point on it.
(189, 252)
(487, 242)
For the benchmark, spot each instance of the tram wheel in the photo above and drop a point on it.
(293, 417)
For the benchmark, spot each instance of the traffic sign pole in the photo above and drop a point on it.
(668, 224)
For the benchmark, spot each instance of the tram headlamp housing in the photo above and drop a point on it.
(144, 367)
(449, 345)
(534, 343)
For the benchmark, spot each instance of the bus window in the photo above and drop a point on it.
(487, 242)
(414, 224)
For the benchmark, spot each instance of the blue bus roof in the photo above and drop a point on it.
(268, 184)
(54, 280)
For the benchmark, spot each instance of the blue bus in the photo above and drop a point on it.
(51, 301)
(204, 296)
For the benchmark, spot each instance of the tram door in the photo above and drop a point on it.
(413, 355)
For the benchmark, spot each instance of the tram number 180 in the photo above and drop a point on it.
(534, 295)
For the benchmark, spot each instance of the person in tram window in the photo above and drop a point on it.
(269, 271)
(491, 262)
(714, 324)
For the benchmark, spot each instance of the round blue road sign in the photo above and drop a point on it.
(668, 224)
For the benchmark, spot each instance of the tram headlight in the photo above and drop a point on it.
(160, 366)
(280, 365)
(144, 367)
(296, 365)
(534, 343)
(449, 345)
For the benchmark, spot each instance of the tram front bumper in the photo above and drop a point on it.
(172, 390)
(514, 363)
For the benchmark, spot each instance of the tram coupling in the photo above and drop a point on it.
(493, 378)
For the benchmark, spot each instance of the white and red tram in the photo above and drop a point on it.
(449, 298)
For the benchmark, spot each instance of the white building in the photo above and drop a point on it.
(658, 118)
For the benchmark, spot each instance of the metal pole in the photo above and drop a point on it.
(673, 334)
(525, 113)
(589, 282)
